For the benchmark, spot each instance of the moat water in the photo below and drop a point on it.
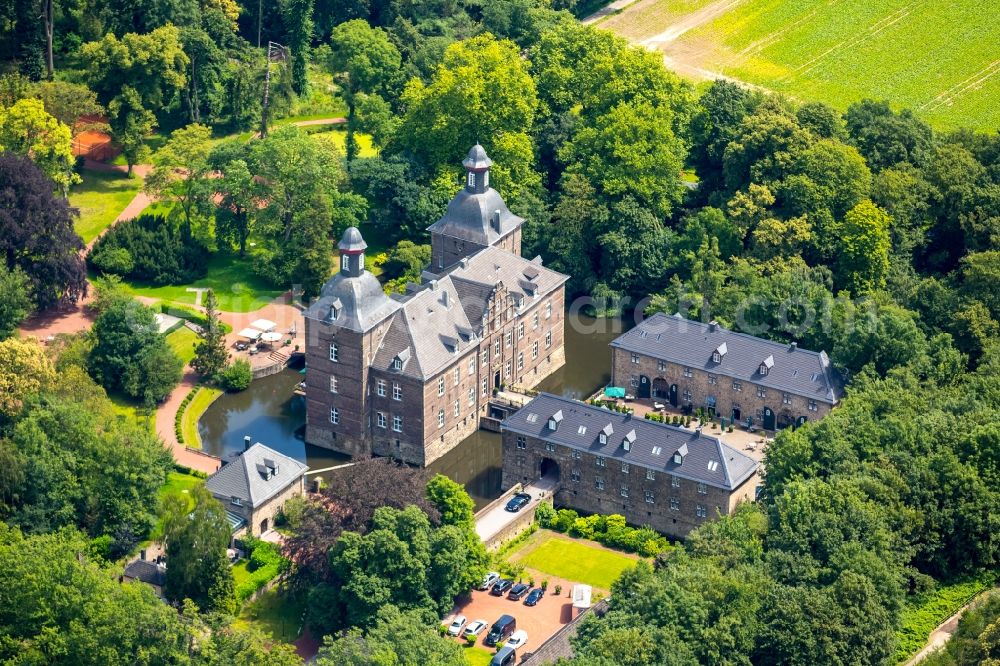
(271, 413)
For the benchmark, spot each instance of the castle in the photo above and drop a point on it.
(410, 376)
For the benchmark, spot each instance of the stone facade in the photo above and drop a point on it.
(261, 518)
(666, 477)
(587, 487)
(677, 361)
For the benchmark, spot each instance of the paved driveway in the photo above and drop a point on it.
(540, 621)
(497, 518)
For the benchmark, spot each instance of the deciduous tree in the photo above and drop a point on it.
(26, 129)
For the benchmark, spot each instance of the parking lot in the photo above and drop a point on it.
(540, 621)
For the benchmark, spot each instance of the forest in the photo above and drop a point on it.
(864, 233)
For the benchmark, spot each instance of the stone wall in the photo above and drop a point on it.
(590, 487)
(661, 375)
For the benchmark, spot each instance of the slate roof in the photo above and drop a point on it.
(692, 343)
(358, 302)
(435, 334)
(244, 477)
(470, 213)
(705, 459)
(147, 572)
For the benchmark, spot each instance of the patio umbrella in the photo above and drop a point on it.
(263, 325)
(614, 392)
(270, 336)
(249, 333)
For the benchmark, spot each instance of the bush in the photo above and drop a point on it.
(558, 590)
(610, 530)
(470, 641)
(566, 518)
(264, 566)
(545, 514)
(150, 249)
(236, 376)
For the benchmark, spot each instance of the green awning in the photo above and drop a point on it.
(614, 392)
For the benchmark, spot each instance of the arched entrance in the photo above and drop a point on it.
(496, 380)
(643, 391)
(801, 421)
(549, 469)
(660, 388)
(737, 413)
(785, 419)
(672, 396)
(769, 418)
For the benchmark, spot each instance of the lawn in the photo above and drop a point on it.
(236, 286)
(101, 197)
(921, 614)
(274, 613)
(337, 135)
(573, 560)
(192, 413)
(182, 341)
(130, 409)
(478, 656)
(938, 59)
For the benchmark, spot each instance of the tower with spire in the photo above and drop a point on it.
(477, 218)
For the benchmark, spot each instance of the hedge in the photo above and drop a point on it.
(190, 315)
(265, 564)
(609, 530)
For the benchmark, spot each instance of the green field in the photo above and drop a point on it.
(182, 342)
(100, 198)
(939, 59)
(478, 656)
(557, 555)
(236, 286)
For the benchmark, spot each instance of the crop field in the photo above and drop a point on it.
(938, 58)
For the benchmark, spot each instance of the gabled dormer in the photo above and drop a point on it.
(555, 420)
(680, 454)
(628, 440)
(765, 366)
(720, 353)
(606, 432)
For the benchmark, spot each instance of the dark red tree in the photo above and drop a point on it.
(36, 233)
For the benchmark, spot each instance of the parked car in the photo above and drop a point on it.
(518, 591)
(505, 656)
(491, 578)
(501, 630)
(500, 587)
(455, 628)
(475, 628)
(518, 502)
(534, 596)
(517, 639)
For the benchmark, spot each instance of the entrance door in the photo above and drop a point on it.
(263, 526)
(737, 414)
(801, 421)
(768, 418)
(673, 395)
(643, 386)
(496, 380)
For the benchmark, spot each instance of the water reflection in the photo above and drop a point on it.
(269, 412)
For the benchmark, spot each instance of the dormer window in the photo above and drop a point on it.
(766, 365)
(555, 419)
(628, 440)
(602, 438)
(679, 454)
(719, 353)
(236, 501)
(470, 179)
(397, 363)
(678, 459)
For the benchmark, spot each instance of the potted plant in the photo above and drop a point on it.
(558, 589)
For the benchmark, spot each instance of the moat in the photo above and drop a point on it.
(271, 413)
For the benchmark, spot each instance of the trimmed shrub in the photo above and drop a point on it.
(264, 566)
(236, 376)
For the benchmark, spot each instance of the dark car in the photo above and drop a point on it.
(500, 587)
(534, 596)
(500, 631)
(518, 591)
(518, 502)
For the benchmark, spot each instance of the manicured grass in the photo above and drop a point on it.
(131, 410)
(240, 573)
(193, 412)
(337, 135)
(478, 656)
(236, 286)
(101, 197)
(923, 613)
(274, 613)
(554, 554)
(938, 59)
(182, 341)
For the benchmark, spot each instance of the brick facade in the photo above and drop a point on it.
(260, 519)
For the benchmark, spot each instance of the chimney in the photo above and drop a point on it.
(793, 346)
(246, 442)
(445, 300)
(713, 325)
(433, 284)
(464, 262)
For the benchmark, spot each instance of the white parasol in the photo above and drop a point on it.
(249, 333)
(270, 336)
(263, 325)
